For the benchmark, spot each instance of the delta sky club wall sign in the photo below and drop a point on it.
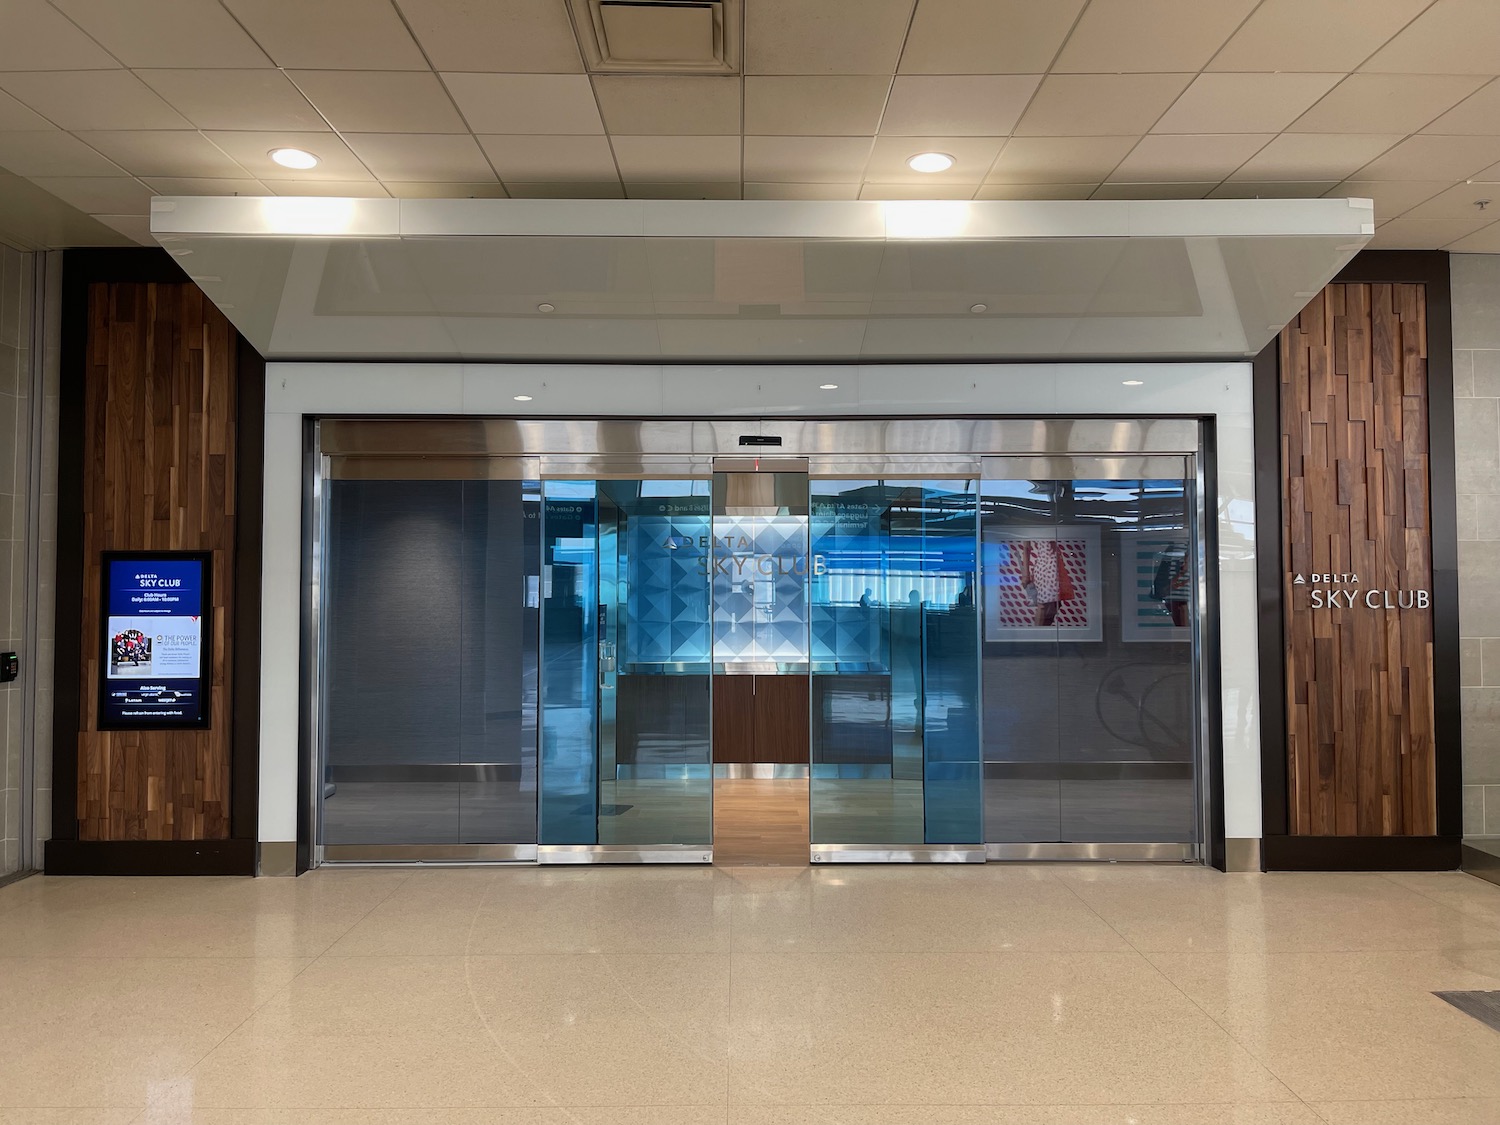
(1343, 591)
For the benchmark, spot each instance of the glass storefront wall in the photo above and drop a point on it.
(1006, 659)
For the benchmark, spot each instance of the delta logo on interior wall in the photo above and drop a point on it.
(1343, 591)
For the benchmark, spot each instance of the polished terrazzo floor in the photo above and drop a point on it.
(988, 995)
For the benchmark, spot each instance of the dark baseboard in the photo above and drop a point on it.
(1360, 853)
(1482, 863)
(150, 857)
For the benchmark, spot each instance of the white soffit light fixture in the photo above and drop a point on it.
(828, 386)
(297, 158)
(1133, 383)
(929, 162)
(523, 398)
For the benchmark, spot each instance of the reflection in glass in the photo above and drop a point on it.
(655, 773)
(1089, 598)
(569, 794)
(895, 736)
(429, 620)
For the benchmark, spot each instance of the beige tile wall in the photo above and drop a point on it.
(15, 454)
(1476, 416)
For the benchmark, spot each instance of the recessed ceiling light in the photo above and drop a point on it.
(1134, 382)
(546, 306)
(930, 162)
(979, 308)
(523, 398)
(294, 158)
(828, 386)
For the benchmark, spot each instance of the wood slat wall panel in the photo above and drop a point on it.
(158, 474)
(1360, 742)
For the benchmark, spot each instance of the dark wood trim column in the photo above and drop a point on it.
(1421, 829)
(220, 836)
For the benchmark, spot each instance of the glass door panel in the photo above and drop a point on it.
(500, 557)
(429, 711)
(895, 734)
(568, 805)
(655, 772)
(1089, 685)
(625, 687)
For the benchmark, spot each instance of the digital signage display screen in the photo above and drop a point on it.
(154, 666)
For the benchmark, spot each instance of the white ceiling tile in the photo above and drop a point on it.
(1451, 37)
(551, 159)
(666, 160)
(1272, 189)
(960, 105)
(1288, 35)
(708, 189)
(96, 195)
(1477, 115)
(548, 104)
(52, 154)
(1390, 103)
(421, 156)
(1059, 160)
(566, 191)
(1154, 191)
(916, 191)
(439, 190)
(330, 34)
(1097, 105)
(828, 105)
(506, 36)
(828, 37)
(801, 191)
(987, 36)
(1036, 191)
(93, 99)
(137, 228)
(642, 105)
(1392, 197)
(1486, 241)
(162, 33)
(1244, 103)
(1423, 234)
(1150, 35)
(1460, 202)
(1188, 158)
(36, 36)
(165, 153)
(234, 99)
(1428, 157)
(1315, 156)
(16, 118)
(199, 185)
(358, 189)
(252, 149)
(834, 160)
(972, 157)
(383, 101)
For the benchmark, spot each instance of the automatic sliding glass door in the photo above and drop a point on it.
(895, 724)
(1090, 599)
(626, 712)
(429, 698)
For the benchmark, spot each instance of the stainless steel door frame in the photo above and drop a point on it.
(496, 448)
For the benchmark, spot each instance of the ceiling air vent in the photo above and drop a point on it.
(659, 36)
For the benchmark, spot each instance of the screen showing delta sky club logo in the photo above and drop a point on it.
(153, 642)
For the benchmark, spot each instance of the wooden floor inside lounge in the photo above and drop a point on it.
(760, 823)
